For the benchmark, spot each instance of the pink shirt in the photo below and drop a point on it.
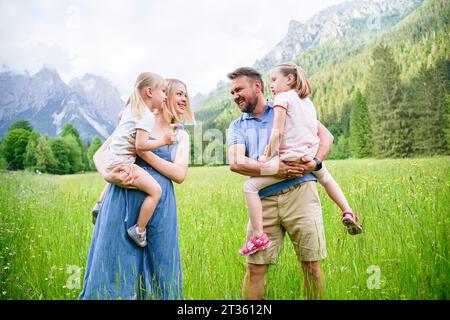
(300, 131)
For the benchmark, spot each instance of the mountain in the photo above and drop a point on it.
(101, 94)
(197, 99)
(335, 50)
(335, 23)
(91, 104)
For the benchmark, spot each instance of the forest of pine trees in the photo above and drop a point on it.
(394, 120)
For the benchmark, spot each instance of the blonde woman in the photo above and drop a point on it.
(136, 122)
(117, 268)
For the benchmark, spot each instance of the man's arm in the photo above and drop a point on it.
(326, 142)
(241, 164)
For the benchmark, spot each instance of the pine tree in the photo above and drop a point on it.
(429, 98)
(389, 118)
(45, 159)
(95, 145)
(341, 150)
(29, 160)
(70, 130)
(21, 124)
(360, 134)
(61, 152)
(14, 147)
(73, 153)
(3, 163)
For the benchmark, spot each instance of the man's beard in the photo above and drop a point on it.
(251, 105)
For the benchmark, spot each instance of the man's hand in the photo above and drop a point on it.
(305, 165)
(121, 176)
(289, 170)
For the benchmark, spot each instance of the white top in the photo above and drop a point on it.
(300, 131)
(120, 143)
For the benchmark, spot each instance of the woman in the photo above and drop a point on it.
(116, 267)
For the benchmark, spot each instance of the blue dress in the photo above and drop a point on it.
(119, 269)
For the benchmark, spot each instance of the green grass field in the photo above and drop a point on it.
(45, 233)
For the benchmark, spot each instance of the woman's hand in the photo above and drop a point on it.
(121, 176)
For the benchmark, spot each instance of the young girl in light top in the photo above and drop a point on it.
(293, 137)
(136, 123)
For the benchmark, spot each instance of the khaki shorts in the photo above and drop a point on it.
(298, 212)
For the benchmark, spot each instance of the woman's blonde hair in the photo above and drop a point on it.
(301, 84)
(144, 80)
(171, 108)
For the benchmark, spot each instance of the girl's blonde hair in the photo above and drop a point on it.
(171, 108)
(301, 84)
(144, 80)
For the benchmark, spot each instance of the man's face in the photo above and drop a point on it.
(244, 93)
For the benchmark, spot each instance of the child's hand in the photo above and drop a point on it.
(169, 138)
(176, 126)
(263, 158)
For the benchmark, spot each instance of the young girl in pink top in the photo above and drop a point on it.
(294, 136)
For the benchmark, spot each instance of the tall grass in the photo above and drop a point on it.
(45, 232)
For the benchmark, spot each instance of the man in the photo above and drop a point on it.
(292, 205)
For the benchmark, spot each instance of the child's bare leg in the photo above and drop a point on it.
(254, 205)
(145, 182)
(335, 193)
(332, 188)
(255, 213)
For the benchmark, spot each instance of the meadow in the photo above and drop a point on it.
(46, 228)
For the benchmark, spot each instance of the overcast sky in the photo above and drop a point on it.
(197, 41)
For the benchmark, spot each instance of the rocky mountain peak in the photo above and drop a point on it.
(336, 22)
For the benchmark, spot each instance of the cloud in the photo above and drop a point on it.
(198, 41)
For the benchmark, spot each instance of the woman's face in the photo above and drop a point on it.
(180, 99)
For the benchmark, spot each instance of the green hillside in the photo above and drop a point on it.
(421, 38)
(338, 68)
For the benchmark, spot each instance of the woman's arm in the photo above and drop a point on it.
(177, 170)
(99, 155)
(119, 176)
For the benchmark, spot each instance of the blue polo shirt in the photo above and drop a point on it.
(254, 133)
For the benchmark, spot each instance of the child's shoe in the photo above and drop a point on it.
(96, 210)
(255, 244)
(139, 238)
(351, 222)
